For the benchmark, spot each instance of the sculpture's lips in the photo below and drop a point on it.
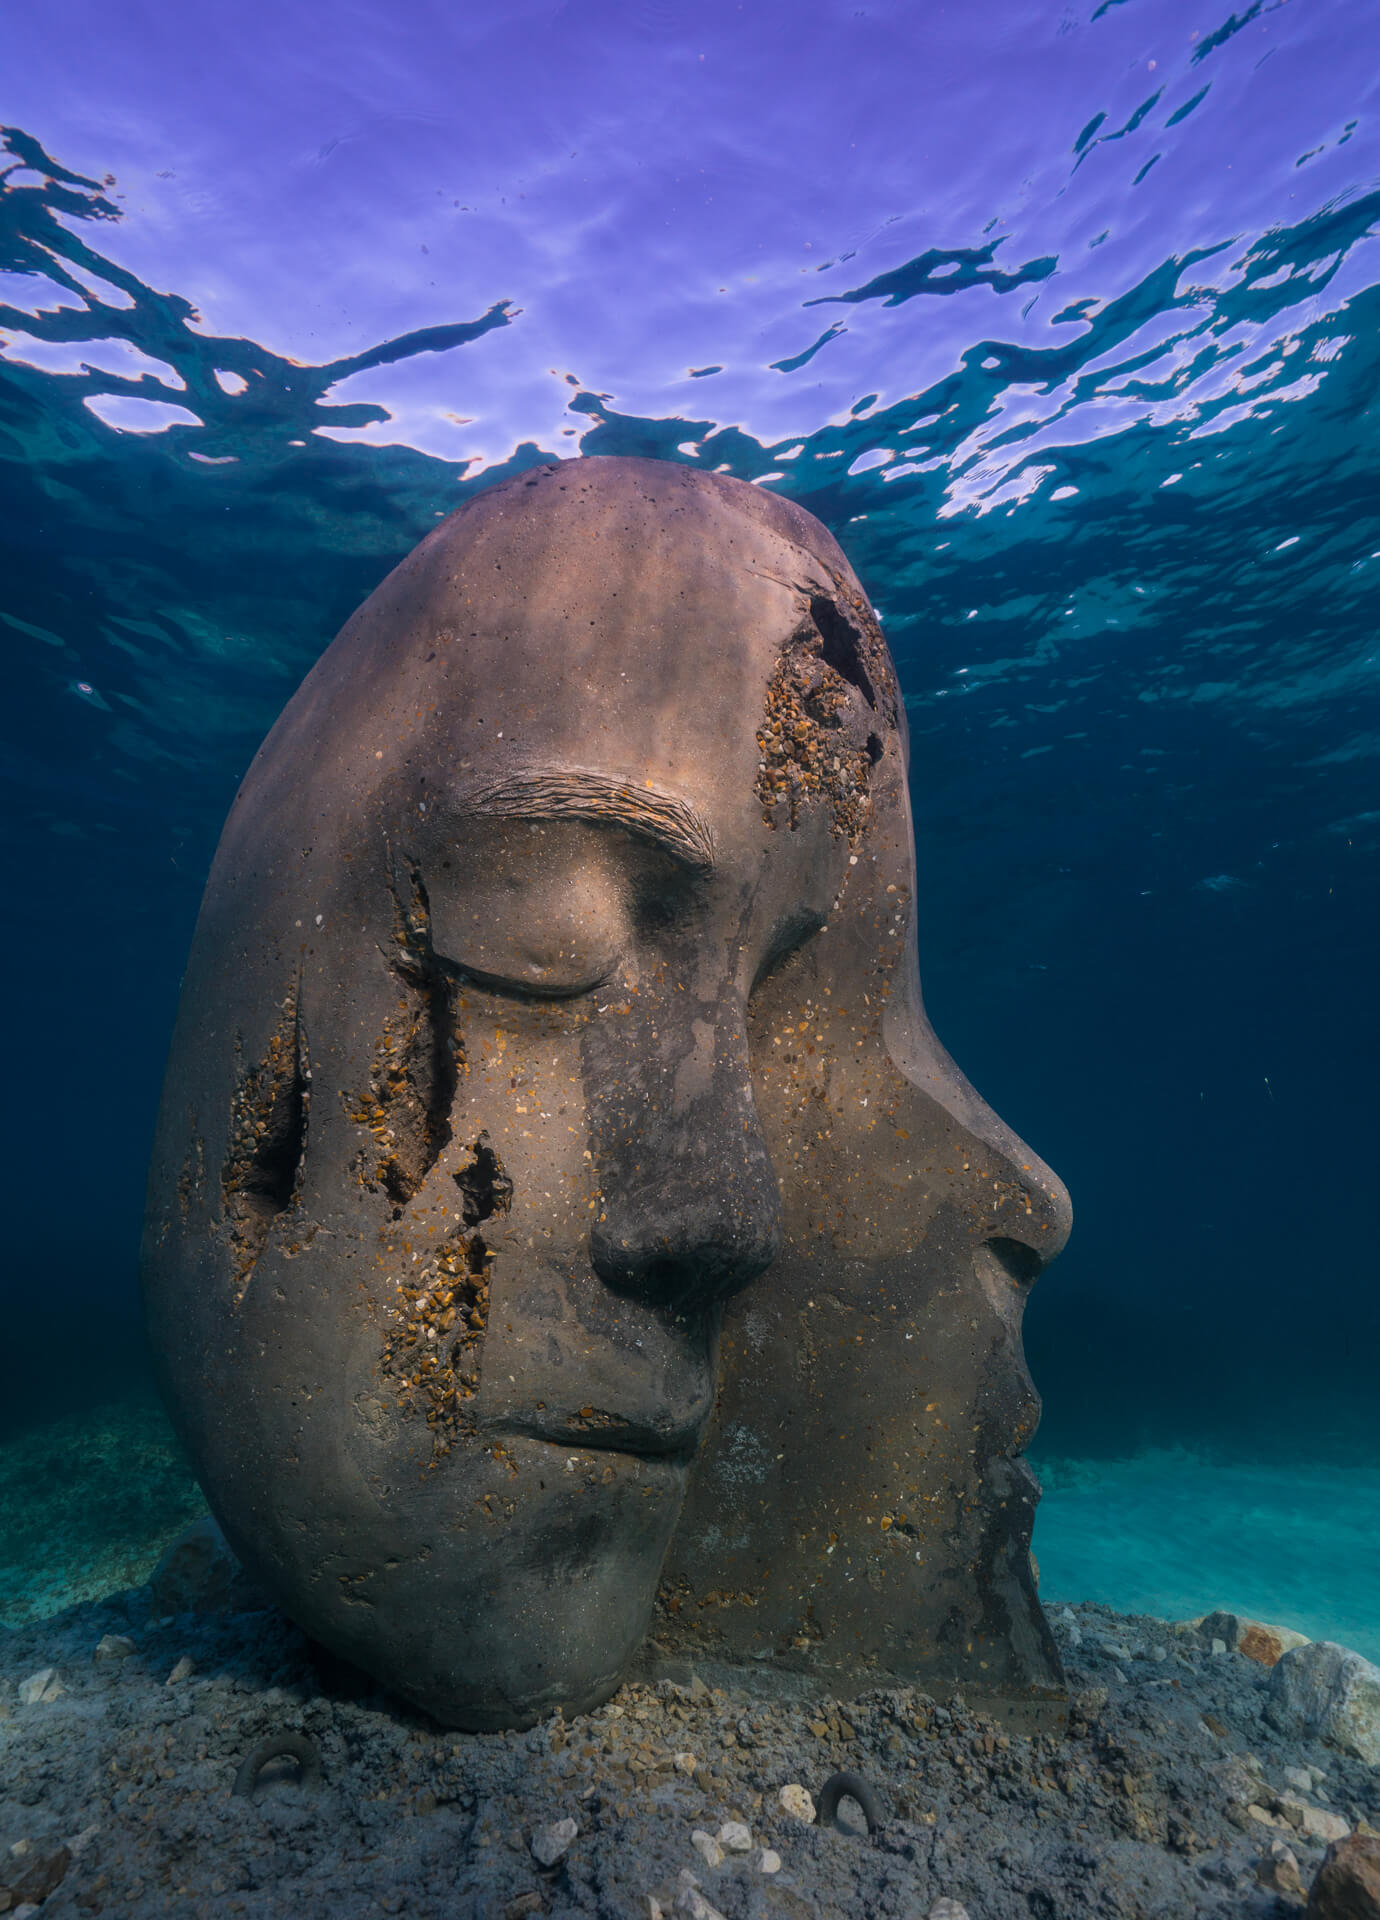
(600, 1432)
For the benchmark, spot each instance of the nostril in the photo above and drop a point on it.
(662, 1279)
(1021, 1264)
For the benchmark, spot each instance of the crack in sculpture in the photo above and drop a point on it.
(268, 1137)
(418, 1059)
(433, 1351)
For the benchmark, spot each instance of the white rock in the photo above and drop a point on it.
(734, 1837)
(550, 1842)
(947, 1909)
(1219, 1647)
(1322, 1825)
(27, 1911)
(1300, 1777)
(40, 1688)
(79, 1842)
(1329, 1691)
(794, 1800)
(114, 1646)
(708, 1848)
(184, 1670)
(1317, 1822)
(686, 1763)
(767, 1860)
(691, 1901)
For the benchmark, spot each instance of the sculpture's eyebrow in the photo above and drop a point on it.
(566, 793)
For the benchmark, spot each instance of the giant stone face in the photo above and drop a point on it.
(566, 1235)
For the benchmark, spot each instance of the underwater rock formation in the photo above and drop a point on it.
(564, 1225)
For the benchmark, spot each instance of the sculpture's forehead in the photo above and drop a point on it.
(670, 572)
(579, 515)
(620, 618)
(617, 608)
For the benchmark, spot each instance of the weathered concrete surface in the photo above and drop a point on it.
(552, 1126)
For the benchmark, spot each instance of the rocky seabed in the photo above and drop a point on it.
(157, 1758)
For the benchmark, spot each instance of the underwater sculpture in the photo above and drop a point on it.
(551, 1067)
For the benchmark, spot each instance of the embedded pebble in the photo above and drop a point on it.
(114, 1646)
(1262, 1815)
(767, 1860)
(1316, 1822)
(1278, 1869)
(947, 1909)
(734, 1837)
(689, 1899)
(550, 1842)
(708, 1848)
(795, 1801)
(40, 1688)
(183, 1670)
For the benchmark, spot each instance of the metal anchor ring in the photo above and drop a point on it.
(291, 1746)
(847, 1786)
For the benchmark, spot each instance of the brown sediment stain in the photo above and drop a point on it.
(831, 699)
(268, 1137)
(432, 1351)
(418, 1059)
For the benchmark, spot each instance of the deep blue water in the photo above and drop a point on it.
(1064, 318)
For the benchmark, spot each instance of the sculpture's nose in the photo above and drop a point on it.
(1013, 1199)
(1036, 1213)
(687, 1209)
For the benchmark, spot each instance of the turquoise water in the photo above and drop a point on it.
(1176, 1535)
(1064, 320)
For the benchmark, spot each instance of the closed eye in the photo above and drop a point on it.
(535, 989)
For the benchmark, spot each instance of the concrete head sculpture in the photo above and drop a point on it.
(551, 1064)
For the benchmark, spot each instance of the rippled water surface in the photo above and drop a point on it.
(1064, 318)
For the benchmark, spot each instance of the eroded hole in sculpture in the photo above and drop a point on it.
(841, 645)
(817, 740)
(433, 1350)
(268, 1137)
(417, 1060)
(485, 1189)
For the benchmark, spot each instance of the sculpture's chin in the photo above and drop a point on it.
(498, 1616)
